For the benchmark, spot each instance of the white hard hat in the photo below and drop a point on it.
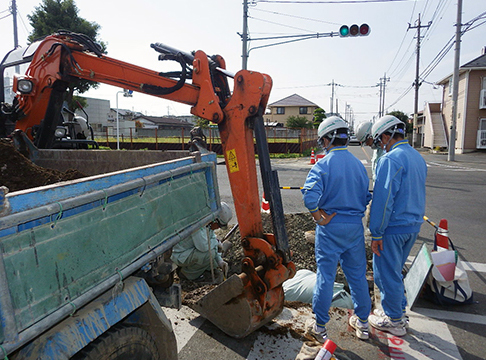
(363, 132)
(387, 123)
(328, 128)
(225, 214)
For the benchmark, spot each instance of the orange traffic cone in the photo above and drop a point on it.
(442, 236)
(313, 158)
(265, 205)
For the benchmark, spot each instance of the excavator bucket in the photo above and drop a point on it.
(237, 314)
(249, 300)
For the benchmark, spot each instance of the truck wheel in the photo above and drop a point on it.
(121, 343)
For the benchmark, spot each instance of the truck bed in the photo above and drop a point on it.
(62, 245)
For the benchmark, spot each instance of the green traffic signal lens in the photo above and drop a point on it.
(344, 30)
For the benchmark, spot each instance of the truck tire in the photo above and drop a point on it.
(121, 343)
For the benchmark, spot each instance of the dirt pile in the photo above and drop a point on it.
(19, 173)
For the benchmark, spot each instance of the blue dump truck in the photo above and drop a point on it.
(69, 253)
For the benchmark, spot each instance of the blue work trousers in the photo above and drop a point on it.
(387, 271)
(344, 243)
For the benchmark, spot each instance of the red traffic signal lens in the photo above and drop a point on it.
(354, 30)
(364, 29)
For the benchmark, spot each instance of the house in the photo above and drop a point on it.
(471, 110)
(125, 121)
(293, 105)
(165, 125)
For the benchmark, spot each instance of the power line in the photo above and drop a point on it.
(327, 2)
(275, 23)
(297, 17)
(442, 53)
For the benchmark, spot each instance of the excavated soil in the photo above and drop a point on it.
(302, 255)
(19, 173)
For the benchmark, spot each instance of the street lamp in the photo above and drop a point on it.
(126, 93)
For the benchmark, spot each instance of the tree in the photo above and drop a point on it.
(298, 122)
(400, 115)
(319, 115)
(53, 15)
(202, 123)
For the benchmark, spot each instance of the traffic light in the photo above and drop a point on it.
(354, 30)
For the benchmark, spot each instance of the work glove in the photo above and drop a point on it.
(223, 265)
(226, 245)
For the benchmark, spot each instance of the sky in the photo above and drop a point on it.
(305, 67)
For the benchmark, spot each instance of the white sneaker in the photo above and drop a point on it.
(360, 327)
(384, 323)
(381, 313)
(317, 332)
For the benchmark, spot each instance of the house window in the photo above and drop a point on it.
(303, 110)
(280, 110)
(450, 87)
(482, 94)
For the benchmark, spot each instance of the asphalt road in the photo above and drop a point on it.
(456, 192)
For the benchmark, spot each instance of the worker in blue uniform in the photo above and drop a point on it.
(338, 185)
(396, 215)
(363, 134)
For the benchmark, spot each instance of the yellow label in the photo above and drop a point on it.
(232, 160)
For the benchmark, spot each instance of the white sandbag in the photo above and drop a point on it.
(301, 288)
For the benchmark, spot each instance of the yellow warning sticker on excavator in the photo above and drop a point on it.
(232, 160)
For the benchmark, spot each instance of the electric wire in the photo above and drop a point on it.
(297, 17)
(280, 24)
(442, 53)
(327, 1)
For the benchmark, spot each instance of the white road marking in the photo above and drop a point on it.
(453, 167)
(426, 339)
(451, 315)
(473, 266)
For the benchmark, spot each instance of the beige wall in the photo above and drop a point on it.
(447, 111)
(472, 111)
(468, 112)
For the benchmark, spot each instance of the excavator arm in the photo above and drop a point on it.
(245, 301)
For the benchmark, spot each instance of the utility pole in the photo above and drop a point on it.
(381, 94)
(383, 81)
(14, 14)
(244, 52)
(15, 33)
(417, 80)
(455, 84)
(332, 96)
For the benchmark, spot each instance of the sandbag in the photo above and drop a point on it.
(301, 288)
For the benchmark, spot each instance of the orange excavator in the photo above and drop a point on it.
(245, 301)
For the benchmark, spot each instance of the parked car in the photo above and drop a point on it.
(354, 140)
